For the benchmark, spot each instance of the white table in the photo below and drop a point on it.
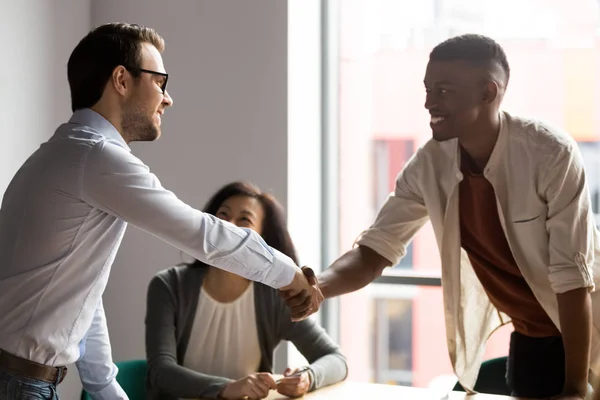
(372, 391)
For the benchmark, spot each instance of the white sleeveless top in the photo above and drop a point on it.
(224, 339)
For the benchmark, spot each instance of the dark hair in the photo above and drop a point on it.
(274, 226)
(477, 49)
(102, 50)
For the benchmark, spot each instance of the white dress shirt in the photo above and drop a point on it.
(62, 220)
(224, 339)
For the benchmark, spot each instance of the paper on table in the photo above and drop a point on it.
(300, 371)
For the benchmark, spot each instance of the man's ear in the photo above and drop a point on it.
(490, 92)
(119, 79)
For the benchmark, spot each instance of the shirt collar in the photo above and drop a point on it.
(497, 152)
(97, 122)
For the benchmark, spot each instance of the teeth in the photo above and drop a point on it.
(436, 120)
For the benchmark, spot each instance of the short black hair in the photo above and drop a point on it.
(274, 229)
(477, 49)
(102, 50)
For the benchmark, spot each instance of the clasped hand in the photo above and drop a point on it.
(303, 296)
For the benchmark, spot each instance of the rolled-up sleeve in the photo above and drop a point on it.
(570, 224)
(120, 184)
(402, 215)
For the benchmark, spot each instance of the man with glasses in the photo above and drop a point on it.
(65, 212)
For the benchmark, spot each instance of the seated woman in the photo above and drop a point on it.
(211, 334)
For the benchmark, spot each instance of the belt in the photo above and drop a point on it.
(31, 369)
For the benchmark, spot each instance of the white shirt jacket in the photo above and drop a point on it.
(544, 207)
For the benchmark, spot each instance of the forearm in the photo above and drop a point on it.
(575, 313)
(328, 370)
(119, 184)
(352, 271)
(179, 381)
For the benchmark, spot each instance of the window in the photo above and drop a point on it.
(393, 340)
(590, 152)
(380, 50)
(390, 157)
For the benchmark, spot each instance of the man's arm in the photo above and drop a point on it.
(119, 184)
(570, 227)
(575, 313)
(383, 244)
(352, 271)
(96, 369)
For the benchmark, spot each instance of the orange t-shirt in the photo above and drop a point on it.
(484, 240)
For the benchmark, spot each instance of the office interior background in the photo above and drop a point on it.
(319, 102)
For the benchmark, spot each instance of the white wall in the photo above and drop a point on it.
(36, 38)
(227, 61)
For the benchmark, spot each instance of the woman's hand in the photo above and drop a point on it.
(294, 386)
(254, 387)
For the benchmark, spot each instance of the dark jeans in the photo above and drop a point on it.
(536, 366)
(14, 387)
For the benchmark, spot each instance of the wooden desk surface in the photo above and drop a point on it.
(371, 391)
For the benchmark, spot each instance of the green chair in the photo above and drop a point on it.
(131, 377)
(491, 378)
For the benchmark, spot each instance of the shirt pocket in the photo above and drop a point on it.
(527, 219)
(529, 234)
(528, 212)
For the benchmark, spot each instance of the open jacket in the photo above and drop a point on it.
(172, 301)
(544, 207)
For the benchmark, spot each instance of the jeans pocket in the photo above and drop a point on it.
(32, 392)
(19, 388)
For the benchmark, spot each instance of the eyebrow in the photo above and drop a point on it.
(441, 83)
(248, 212)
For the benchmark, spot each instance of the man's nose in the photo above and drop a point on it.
(167, 99)
(429, 101)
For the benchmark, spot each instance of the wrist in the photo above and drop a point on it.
(221, 394)
(323, 288)
(311, 379)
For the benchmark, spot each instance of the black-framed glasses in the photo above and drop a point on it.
(163, 85)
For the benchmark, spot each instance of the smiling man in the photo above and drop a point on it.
(509, 204)
(64, 215)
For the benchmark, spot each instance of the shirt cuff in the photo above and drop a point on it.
(311, 373)
(111, 392)
(379, 246)
(282, 271)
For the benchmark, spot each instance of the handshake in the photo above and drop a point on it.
(303, 296)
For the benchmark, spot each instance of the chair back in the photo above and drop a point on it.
(131, 377)
(491, 378)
